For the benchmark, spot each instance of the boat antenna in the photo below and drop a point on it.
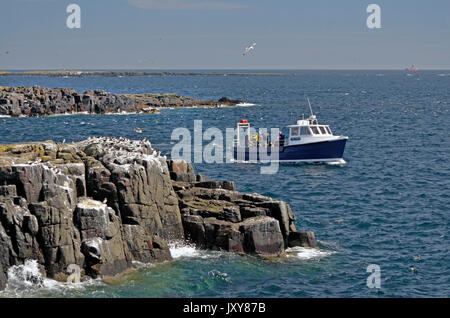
(309, 104)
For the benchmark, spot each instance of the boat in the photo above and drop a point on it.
(307, 141)
(413, 68)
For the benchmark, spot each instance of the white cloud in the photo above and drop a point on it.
(183, 4)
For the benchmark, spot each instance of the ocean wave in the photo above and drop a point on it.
(27, 280)
(246, 104)
(180, 250)
(306, 253)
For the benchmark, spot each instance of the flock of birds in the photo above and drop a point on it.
(122, 144)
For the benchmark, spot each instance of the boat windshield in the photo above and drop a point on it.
(305, 131)
(322, 129)
(315, 130)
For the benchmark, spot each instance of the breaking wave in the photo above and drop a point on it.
(28, 280)
(306, 253)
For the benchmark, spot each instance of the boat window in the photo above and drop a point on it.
(294, 131)
(328, 129)
(305, 131)
(322, 129)
(315, 130)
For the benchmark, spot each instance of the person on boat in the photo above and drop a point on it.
(281, 139)
(255, 137)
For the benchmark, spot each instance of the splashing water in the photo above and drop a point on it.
(28, 280)
(306, 253)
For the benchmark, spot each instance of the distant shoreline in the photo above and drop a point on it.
(118, 73)
(136, 73)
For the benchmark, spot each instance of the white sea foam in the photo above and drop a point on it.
(180, 250)
(27, 281)
(306, 253)
(246, 104)
(338, 162)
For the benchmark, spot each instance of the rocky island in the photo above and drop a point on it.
(35, 101)
(105, 203)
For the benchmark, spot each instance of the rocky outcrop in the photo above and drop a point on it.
(101, 204)
(175, 100)
(42, 101)
(104, 203)
(216, 216)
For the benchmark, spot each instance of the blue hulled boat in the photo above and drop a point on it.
(306, 141)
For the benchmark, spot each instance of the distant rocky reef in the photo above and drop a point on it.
(79, 73)
(105, 203)
(34, 101)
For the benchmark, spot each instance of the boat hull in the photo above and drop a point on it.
(324, 151)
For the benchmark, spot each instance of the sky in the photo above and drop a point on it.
(212, 34)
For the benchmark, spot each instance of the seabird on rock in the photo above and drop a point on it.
(105, 200)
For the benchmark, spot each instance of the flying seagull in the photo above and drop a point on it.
(249, 48)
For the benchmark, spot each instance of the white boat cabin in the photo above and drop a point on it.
(307, 131)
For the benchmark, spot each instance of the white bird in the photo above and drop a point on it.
(105, 200)
(64, 140)
(249, 48)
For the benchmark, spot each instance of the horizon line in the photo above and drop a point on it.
(208, 69)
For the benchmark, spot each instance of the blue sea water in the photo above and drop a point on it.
(388, 205)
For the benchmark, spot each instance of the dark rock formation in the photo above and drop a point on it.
(175, 100)
(227, 100)
(100, 204)
(216, 216)
(42, 101)
(104, 203)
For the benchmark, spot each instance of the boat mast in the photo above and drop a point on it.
(309, 104)
(312, 118)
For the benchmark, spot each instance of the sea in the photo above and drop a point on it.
(381, 219)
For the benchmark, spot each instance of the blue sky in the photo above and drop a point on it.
(211, 34)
